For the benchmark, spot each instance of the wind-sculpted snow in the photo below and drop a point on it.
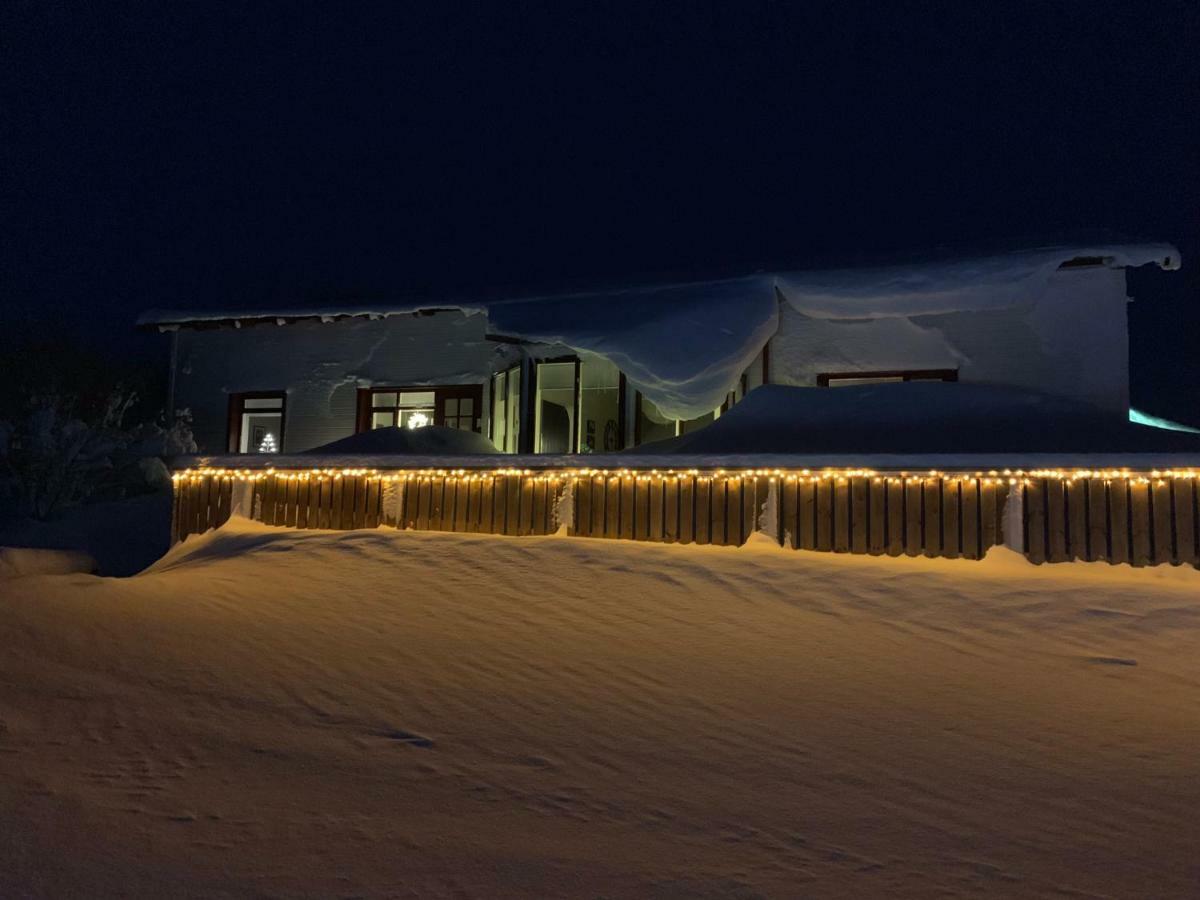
(272, 712)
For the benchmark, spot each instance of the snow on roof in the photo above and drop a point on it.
(685, 345)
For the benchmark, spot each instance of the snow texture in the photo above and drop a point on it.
(272, 712)
(15, 561)
(918, 417)
(684, 346)
(430, 440)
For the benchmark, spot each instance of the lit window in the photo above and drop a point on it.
(599, 407)
(506, 400)
(554, 408)
(454, 406)
(256, 423)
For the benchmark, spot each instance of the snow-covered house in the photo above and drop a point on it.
(607, 370)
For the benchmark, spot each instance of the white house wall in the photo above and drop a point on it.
(1071, 341)
(321, 366)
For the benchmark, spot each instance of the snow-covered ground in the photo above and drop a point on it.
(271, 712)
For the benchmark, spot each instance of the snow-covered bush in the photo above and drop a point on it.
(51, 458)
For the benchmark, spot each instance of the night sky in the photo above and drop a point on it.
(192, 155)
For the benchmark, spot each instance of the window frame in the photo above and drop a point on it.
(237, 410)
(823, 378)
(441, 393)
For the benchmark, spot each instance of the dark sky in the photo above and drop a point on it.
(180, 154)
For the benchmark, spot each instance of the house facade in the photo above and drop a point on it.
(610, 370)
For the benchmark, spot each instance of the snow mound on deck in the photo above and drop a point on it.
(16, 561)
(916, 417)
(431, 440)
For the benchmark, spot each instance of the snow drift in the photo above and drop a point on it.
(917, 417)
(432, 440)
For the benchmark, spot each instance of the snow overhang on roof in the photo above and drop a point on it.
(684, 346)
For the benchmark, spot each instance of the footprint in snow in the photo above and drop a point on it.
(405, 737)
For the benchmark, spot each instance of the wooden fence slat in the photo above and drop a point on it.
(612, 506)
(841, 514)
(303, 486)
(1035, 520)
(1185, 521)
(968, 518)
(896, 522)
(374, 502)
(1140, 524)
(1077, 523)
(266, 505)
(952, 489)
(525, 505)
(1056, 520)
(877, 517)
(702, 498)
(641, 509)
(512, 504)
(598, 490)
(292, 512)
(175, 510)
(914, 517)
(1162, 535)
(789, 535)
(1097, 520)
(823, 491)
(582, 493)
(808, 509)
(335, 502)
(991, 496)
(754, 501)
(1118, 520)
(362, 505)
(717, 508)
(671, 509)
(487, 504)
(687, 509)
(860, 524)
(932, 533)
(655, 527)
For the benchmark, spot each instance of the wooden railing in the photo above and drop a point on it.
(1140, 519)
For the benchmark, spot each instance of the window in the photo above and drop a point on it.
(849, 379)
(652, 425)
(256, 422)
(554, 411)
(456, 406)
(506, 409)
(600, 407)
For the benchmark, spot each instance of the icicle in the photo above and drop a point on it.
(564, 509)
(1014, 517)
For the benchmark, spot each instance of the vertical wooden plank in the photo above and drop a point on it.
(717, 510)
(583, 507)
(174, 511)
(860, 522)
(487, 504)
(362, 503)
(627, 509)
(335, 502)
(1056, 520)
(266, 505)
(538, 516)
(656, 489)
(473, 503)
(641, 507)
(598, 489)
(951, 505)
(1036, 544)
(968, 518)
(512, 504)
(302, 486)
(755, 490)
(897, 522)
(989, 500)
(876, 517)
(841, 515)
(1077, 522)
(224, 499)
(809, 513)
(374, 503)
(823, 490)
(1185, 522)
(1118, 520)
(437, 488)
(612, 506)
(933, 516)
(1162, 535)
(914, 516)
(1139, 522)
(670, 509)
(687, 509)
(292, 501)
(1097, 519)
(462, 503)
(351, 493)
(702, 498)
(525, 505)
(789, 499)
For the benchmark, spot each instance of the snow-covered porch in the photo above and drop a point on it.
(1139, 516)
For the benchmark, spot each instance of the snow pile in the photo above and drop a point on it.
(16, 561)
(433, 440)
(286, 713)
(965, 285)
(682, 345)
(916, 417)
